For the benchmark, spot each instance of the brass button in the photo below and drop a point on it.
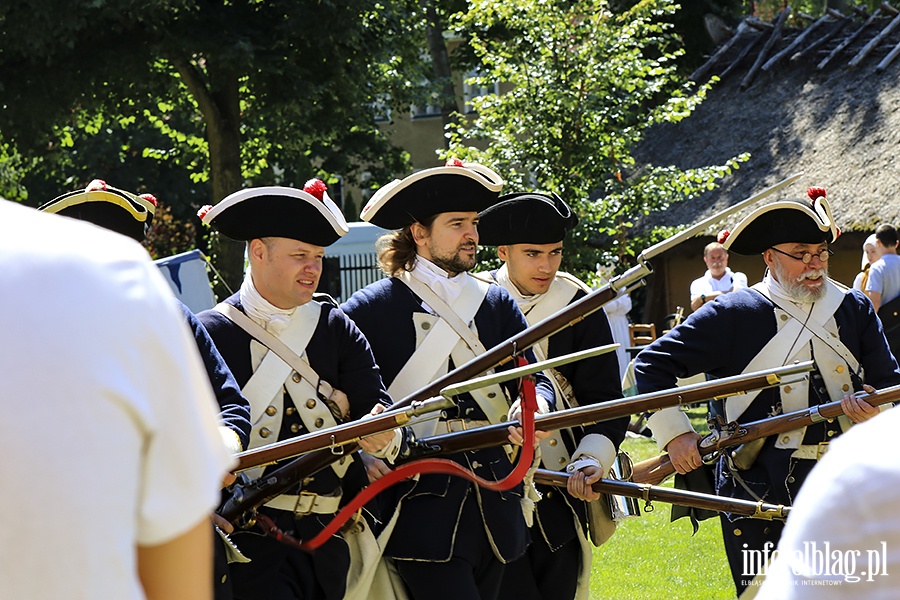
(549, 494)
(737, 532)
(784, 317)
(552, 442)
(311, 403)
(786, 439)
(831, 432)
(562, 461)
(320, 422)
(343, 460)
(265, 432)
(271, 410)
(766, 531)
(791, 480)
(492, 394)
(295, 428)
(840, 369)
(845, 387)
(426, 325)
(787, 389)
(296, 377)
(224, 578)
(504, 418)
(290, 410)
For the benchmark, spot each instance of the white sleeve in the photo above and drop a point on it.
(185, 457)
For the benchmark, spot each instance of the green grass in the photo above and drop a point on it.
(650, 558)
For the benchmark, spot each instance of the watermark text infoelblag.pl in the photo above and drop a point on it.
(820, 560)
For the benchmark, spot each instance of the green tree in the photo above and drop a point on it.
(584, 84)
(225, 92)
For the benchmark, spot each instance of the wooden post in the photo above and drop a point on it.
(776, 35)
(873, 43)
(888, 59)
(842, 20)
(849, 39)
(797, 41)
(701, 72)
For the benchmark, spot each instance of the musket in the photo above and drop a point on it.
(333, 438)
(496, 435)
(648, 493)
(657, 469)
(308, 464)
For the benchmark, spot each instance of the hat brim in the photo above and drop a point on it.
(113, 209)
(277, 211)
(470, 188)
(782, 222)
(525, 218)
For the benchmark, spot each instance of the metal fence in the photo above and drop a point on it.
(343, 275)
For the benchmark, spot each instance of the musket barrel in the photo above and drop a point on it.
(493, 435)
(758, 510)
(655, 470)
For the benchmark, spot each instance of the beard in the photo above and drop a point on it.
(454, 262)
(795, 288)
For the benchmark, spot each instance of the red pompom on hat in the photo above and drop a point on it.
(815, 192)
(455, 162)
(723, 235)
(316, 187)
(96, 184)
(150, 198)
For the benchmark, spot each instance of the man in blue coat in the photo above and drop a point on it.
(528, 230)
(304, 366)
(451, 538)
(795, 314)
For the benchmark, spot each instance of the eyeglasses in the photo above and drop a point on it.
(807, 256)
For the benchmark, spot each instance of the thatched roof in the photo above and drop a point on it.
(838, 125)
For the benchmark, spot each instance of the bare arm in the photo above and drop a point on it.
(875, 297)
(180, 569)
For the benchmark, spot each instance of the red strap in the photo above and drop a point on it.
(442, 465)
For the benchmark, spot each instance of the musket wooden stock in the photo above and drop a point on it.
(657, 469)
(647, 492)
(335, 437)
(495, 435)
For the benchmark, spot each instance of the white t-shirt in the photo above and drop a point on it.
(708, 284)
(884, 277)
(845, 511)
(110, 425)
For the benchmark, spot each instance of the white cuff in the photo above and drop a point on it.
(392, 449)
(667, 424)
(597, 448)
(230, 439)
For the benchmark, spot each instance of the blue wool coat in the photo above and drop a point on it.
(339, 353)
(426, 529)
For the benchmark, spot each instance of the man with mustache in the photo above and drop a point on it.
(795, 314)
(452, 538)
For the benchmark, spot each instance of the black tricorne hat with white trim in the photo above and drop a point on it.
(456, 187)
(106, 206)
(526, 218)
(307, 215)
(785, 221)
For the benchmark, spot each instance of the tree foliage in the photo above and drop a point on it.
(581, 86)
(221, 93)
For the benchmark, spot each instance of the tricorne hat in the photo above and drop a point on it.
(456, 187)
(781, 222)
(106, 206)
(306, 215)
(526, 218)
